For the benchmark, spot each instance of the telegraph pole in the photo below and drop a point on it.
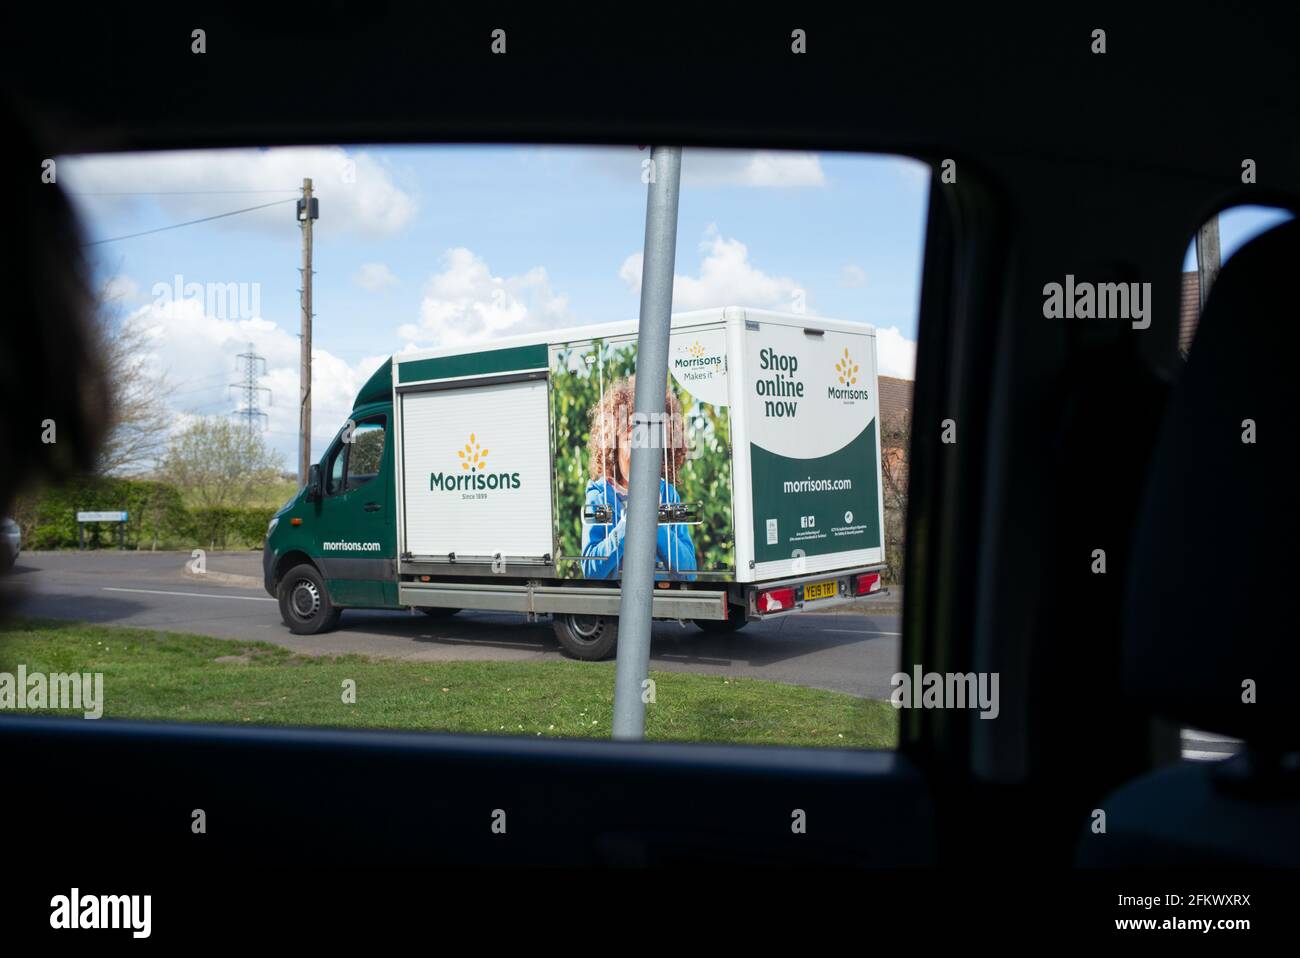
(308, 210)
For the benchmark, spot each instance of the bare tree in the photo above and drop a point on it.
(139, 419)
(219, 463)
(895, 442)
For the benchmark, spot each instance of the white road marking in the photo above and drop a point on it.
(861, 632)
(196, 595)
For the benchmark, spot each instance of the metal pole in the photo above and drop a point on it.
(304, 374)
(643, 484)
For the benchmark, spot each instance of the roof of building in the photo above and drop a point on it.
(895, 397)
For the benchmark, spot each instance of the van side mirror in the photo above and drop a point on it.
(313, 483)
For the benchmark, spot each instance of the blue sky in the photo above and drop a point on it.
(1236, 227)
(420, 246)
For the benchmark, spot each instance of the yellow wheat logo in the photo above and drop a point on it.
(696, 350)
(473, 457)
(847, 369)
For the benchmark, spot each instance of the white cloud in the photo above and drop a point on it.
(120, 289)
(748, 168)
(466, 303)
(197, 353)
(726, 278)
(356, 191)
(374, 277)
(895, 353)
(853, 277)
(706, 168)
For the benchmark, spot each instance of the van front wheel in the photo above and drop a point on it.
(305, 603)
(587, 637)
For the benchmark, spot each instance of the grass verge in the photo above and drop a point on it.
(177, 676)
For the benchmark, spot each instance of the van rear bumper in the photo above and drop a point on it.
(803, 591)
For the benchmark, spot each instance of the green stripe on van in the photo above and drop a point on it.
(514, 359)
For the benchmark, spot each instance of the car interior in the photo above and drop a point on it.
(1036, 441)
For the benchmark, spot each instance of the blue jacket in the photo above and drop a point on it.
(602, 543)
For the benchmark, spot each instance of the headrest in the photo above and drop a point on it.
(1212, 618)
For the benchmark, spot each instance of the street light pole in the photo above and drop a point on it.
(637, 586)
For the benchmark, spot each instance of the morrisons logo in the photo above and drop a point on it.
(450, 482)
(474, 475)
(695, 358)
(846, 372)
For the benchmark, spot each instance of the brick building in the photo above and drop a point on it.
(895, 425)
(1189, 311)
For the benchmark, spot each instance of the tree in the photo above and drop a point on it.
(139, 420)
(895, 441)
(219, 463)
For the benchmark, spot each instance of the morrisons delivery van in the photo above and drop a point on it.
(495, 478)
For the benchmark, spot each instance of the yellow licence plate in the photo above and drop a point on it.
(820, 590)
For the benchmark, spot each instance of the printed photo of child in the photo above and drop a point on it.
(609, 457)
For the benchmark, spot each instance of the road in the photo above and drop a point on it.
(850, 652)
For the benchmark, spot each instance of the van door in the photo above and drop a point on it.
(357, 545)
(477, 472)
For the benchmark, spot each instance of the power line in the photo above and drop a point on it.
(205, 219)
(211, 382)
(177, 192)
(199, 410)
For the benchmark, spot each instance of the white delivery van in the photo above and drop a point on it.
(495, 478)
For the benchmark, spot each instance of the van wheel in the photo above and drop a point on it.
(737, 619)
(587, 637)
(305, 603)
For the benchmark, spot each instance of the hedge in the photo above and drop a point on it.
(158, 519)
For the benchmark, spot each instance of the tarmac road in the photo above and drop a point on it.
(851, 652)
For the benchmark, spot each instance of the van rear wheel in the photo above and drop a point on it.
(587, 637)
(305, 603)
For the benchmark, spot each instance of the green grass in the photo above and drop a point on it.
(178, 676)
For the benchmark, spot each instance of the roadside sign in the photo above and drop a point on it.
(119, 517)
